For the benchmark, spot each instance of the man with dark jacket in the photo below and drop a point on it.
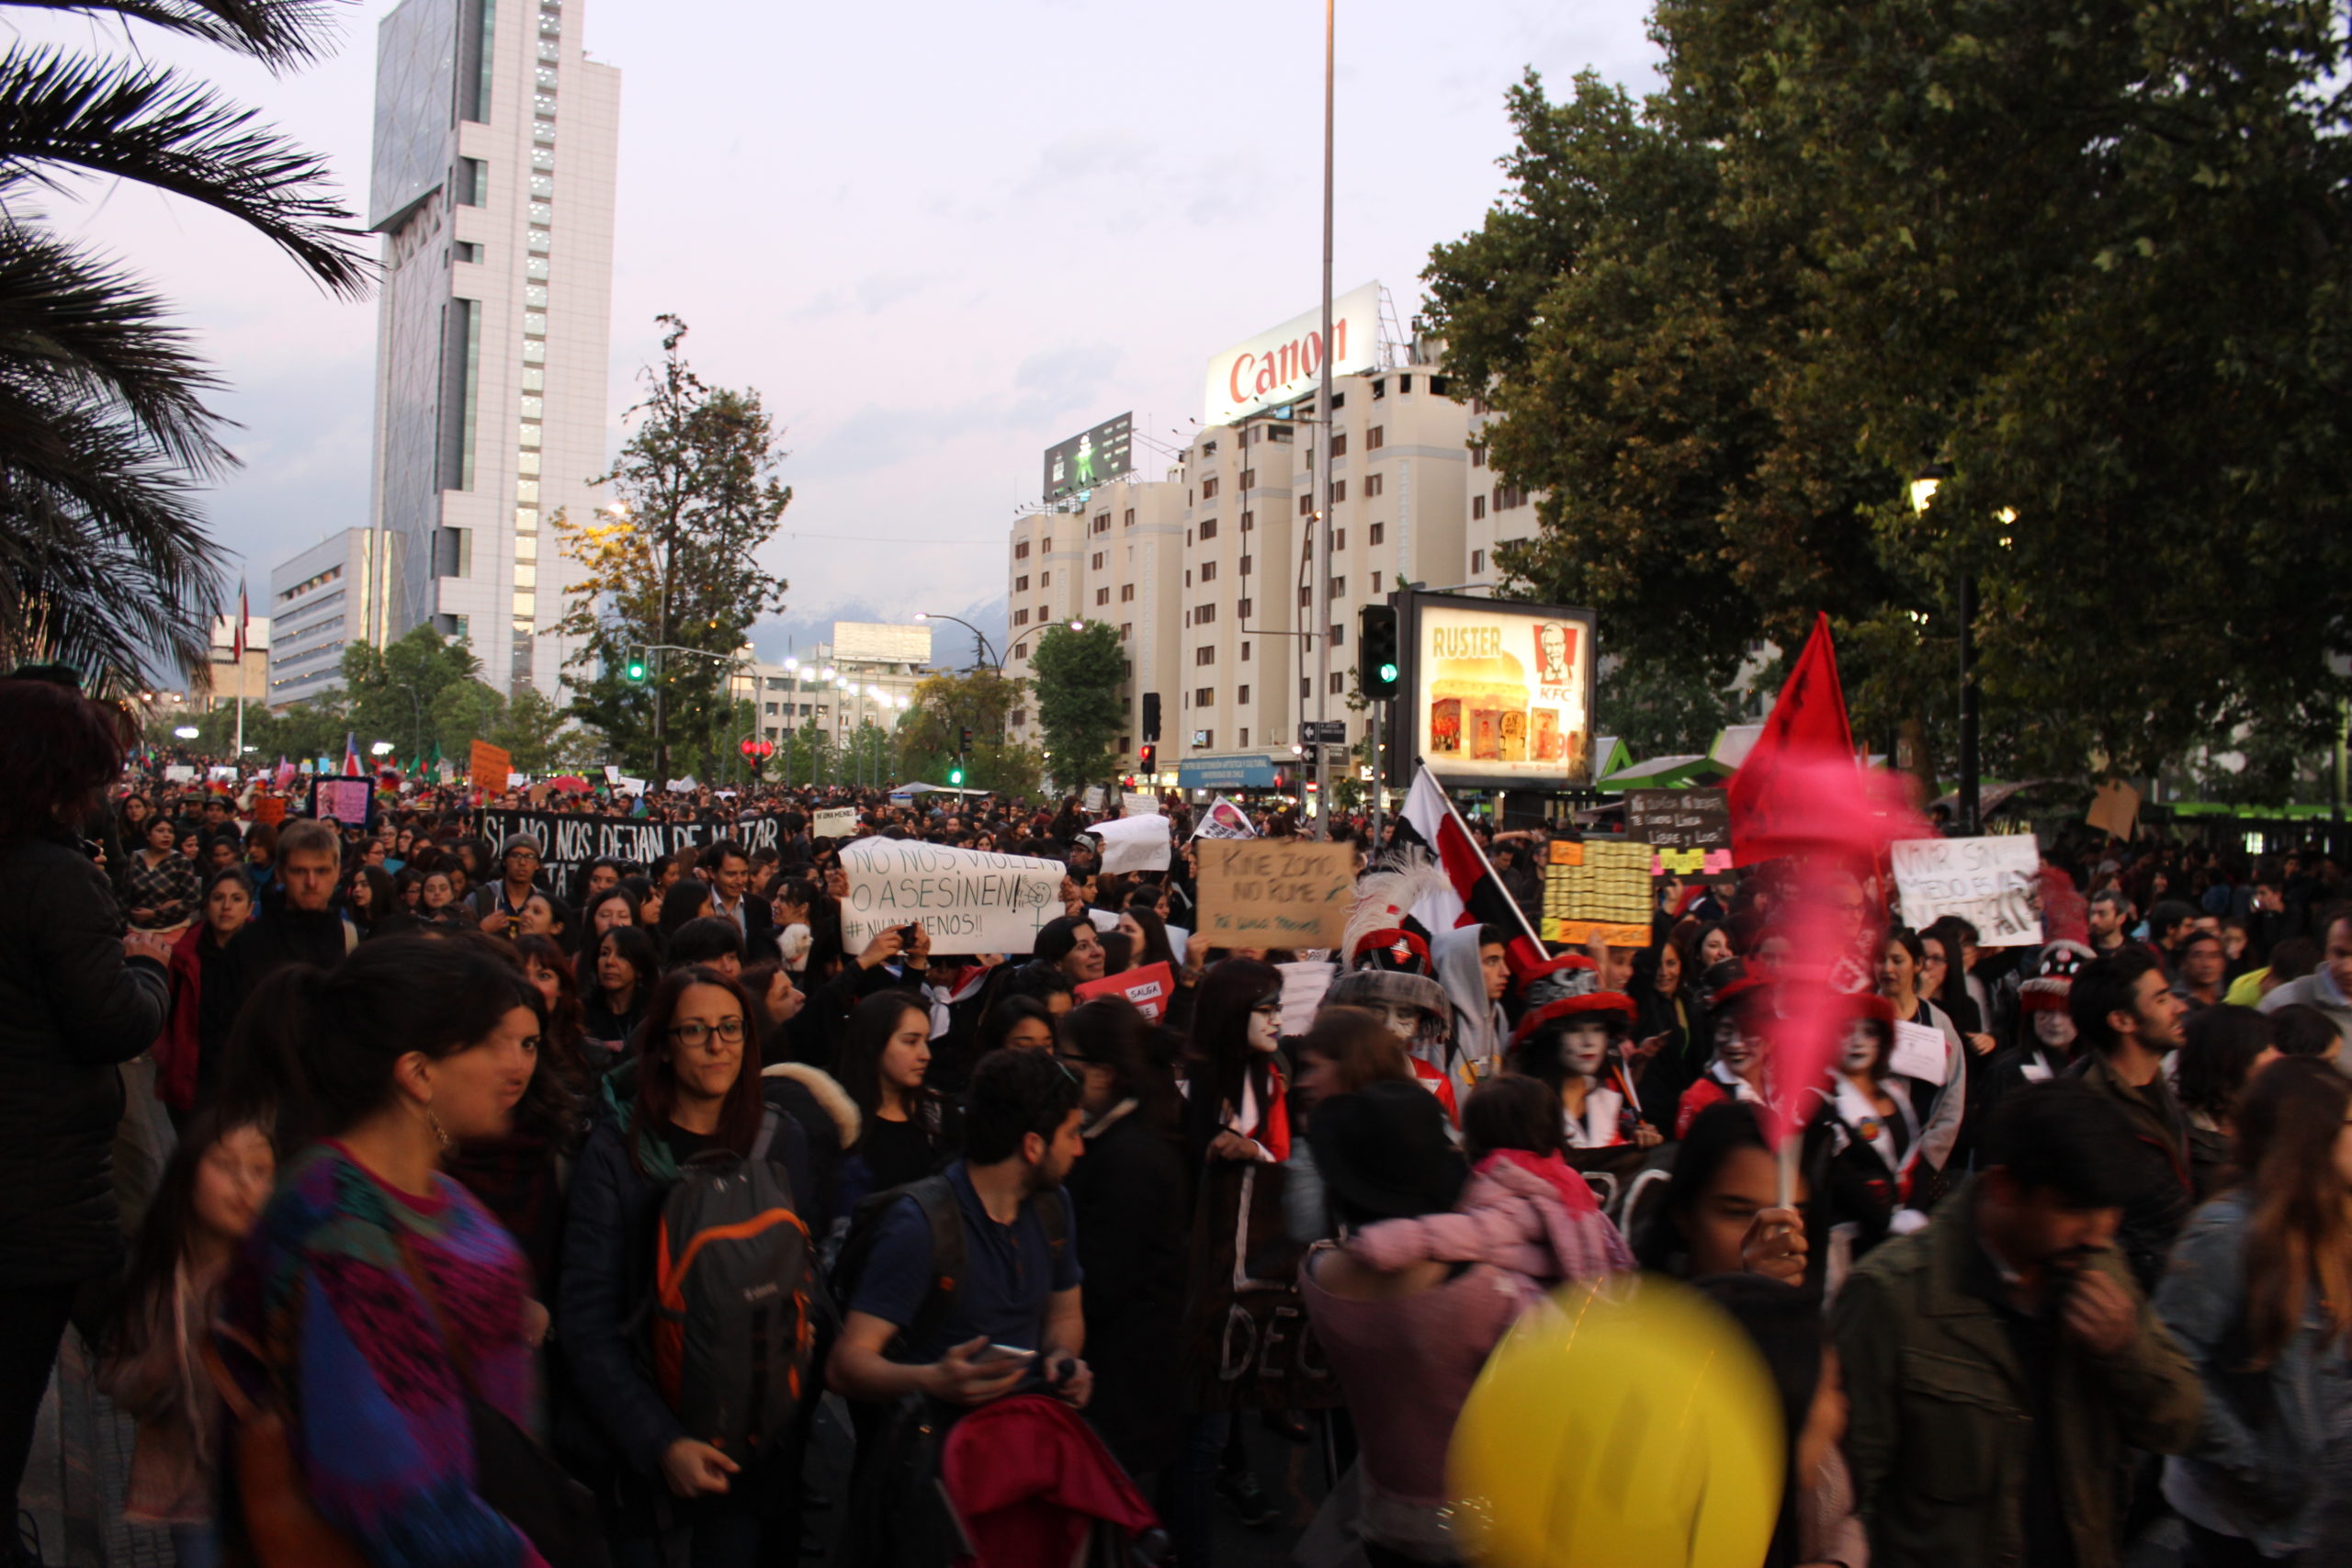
(2127, 1019)
(300, 925)
(2001, 1364)
(78, 997)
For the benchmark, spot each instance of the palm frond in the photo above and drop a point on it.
(60, 111)
(72, 592)
(79, 329)
(281, 34)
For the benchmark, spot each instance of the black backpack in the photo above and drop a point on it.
(935, 1196)
(734, 1294)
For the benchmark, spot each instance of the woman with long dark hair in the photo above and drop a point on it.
(2259, 1295)
(369, 898)
(697, 1091)
(205, 1206)
(907, 1130)
(381, 1311)
(2221, 1048)
(623, 969)
(159, 884)
(208, 979)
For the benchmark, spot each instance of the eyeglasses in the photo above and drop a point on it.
(524, 856)
(693, 1034)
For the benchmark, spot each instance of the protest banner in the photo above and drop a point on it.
(1138, 805)
(1092, 799)
(1148, 987)
(1598, 890)
(968, 901)
(567, 842)
(1275, 892)
(1134, 843)
(838, 823)
(489, 767)
(1223, 819)
(1994, 884)
(344, 800)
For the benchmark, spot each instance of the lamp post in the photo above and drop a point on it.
(979, 638)
(1922, 495)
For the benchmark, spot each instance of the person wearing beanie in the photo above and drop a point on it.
(1417, 1011)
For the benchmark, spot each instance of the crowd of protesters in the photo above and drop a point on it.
(390, 1173)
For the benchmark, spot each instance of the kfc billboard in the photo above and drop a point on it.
(1286, 364)
(1498, 694)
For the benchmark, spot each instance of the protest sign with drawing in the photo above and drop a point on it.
(1276, 892)
(968, 901)
(1223, 819)
(1994, 884)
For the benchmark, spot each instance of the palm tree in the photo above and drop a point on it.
(104, 436)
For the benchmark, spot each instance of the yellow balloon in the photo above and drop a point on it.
(1632, 1428)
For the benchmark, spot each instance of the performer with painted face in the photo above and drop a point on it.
(1873, 1128)
(1738, 1022)
(1576, 1044)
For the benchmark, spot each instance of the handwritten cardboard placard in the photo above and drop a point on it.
(1680, 818)
(489, 767)
(1131, 804)
(1275, 892)
(1599, 889)
(2115, 809)
(836, 823)
(968, 901)
(1148, 987)
(270, 809)
(1994, 884)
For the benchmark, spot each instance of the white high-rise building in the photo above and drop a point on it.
(322, 599)
(496, 146)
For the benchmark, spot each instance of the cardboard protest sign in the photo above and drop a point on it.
(1092, 799)
(2115, 809)
(1276, 892)
(1134, 843)
(1599, 889)
(489, 767)
(968, 901)
(1994, 884)
(837, 823)
(270, 809)
(1148, 987)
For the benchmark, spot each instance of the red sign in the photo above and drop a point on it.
(1148, 987)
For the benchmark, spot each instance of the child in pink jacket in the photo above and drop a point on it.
(1522, 1210)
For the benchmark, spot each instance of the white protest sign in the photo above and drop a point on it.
(180, 772)
(836, 824)
(1093, 798)
(1303, 986)
(684, 786)
(1223, 819)
(1138, 805)
(1134, 843)
(969, 902)
(1920, 1052)
(1994, 884)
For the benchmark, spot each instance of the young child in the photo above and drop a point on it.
(212, 1191)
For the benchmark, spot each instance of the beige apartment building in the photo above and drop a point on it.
(1206, 572)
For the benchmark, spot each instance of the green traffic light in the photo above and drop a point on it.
(955, 777)
(1388, 675)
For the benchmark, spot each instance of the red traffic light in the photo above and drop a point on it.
(760, 748)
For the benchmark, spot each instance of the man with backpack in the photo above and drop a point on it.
(965, 1330)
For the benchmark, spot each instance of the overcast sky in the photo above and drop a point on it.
(936, 238)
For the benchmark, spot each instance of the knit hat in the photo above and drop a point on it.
(1359, 987)
(2054, 977)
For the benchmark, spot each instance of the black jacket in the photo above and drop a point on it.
(1132, 1206)
(71, 1007)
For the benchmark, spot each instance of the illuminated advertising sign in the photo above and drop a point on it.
(1498, 696)
(1286, 365)
(1097, 456)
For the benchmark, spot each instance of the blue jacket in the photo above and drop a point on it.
(2256, 1468)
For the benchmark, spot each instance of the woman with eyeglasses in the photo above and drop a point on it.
(908, 1129)
(697, 1090)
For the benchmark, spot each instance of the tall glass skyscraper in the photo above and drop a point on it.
(495, 150)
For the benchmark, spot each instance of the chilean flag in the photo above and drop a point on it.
(1480, 896)
(351, 768)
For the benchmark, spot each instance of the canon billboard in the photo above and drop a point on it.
(1285, 364)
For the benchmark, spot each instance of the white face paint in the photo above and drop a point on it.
(1403, 1019)
(1266, 1025)
(2053, 1028)
(1583, 1046)
(1736, 1050)
(1859, 1052)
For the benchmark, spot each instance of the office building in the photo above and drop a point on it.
(867, 674)
(1206, 573)
(495, 160)
(322, 601)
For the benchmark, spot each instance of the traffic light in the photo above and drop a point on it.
(965, 744)
(1149, 757)
(955, 777)
(634, 671)
(1376, 668)
(1151, 715)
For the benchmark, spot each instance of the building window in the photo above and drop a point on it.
(1477, 455)
(1379, 534)
(1477, 560)
(1439, 386)
(1375, 582)
(1045, 579)
(1244, 735)
(1204, 654)
(1204, 614)
(1208, 571)
(1126, 629)
(1249, 478)
(1305, 596)
(1339, 635)
(1477, 507)
(1376, 439)
(1208, 487)
(1020, 617)
(1102, 596)
(1021, 550)
(1127, 592)
(1404, 383)
(1021, 585)
(1205, 739)
(473, 182)
(1097, 563)
(1305, 687)
(1208, 529)
(1338, 540)
(1127, 519)
(1242, 610)
(1103, 524)
(1339, 491)
(1374, 484)
(1241, 695)
(1204, 697)
(1339, 683)
(1379, 391)
(1306, 505)
(1248, 521)
(1245, 566)
(1339, 444)
(1339, 588)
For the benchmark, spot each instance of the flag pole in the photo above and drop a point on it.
(1484, 863)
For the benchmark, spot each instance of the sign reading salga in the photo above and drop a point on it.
(1286, 364)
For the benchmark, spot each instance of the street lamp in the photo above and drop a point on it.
(187, 732)
(1922, 495)
(980, 638)
(381, 749)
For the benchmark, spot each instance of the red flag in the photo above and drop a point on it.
(1429, 818)
(1807, 726)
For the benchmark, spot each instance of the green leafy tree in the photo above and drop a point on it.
(1079, 676)
(418, 691)
(531, 729)
(1663, 706)
(106, 437)
(671, 561)
(944, 706)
